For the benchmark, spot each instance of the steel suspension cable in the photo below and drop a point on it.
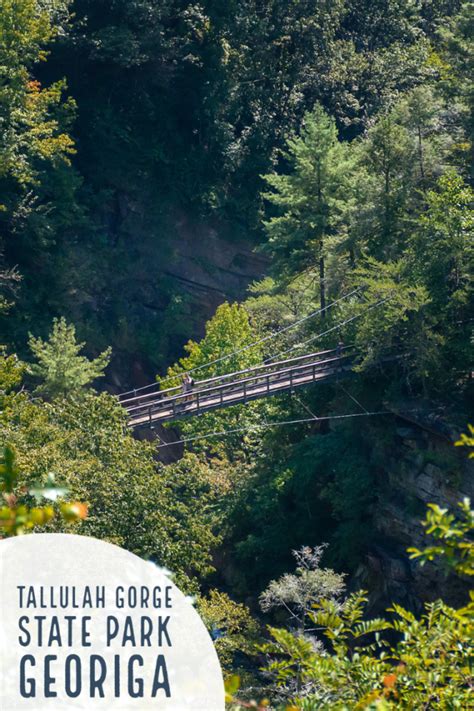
(329, 330)
(251, 345)
(250, 428)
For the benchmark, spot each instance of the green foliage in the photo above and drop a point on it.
(429, 665)
(297, 491)
(271, 308)
(426, 667)
(231, 625)
(441, 258)
(30, 130)
(59, 366)
(17, 518)
(33, 117)
(467, 440)
(166, 514)
(387, 151)
(347, 488)
(359, 115)
(393, 318)
(345, 630)
(193, 104)
(444, 251)
(37, 181)
(453, 536)
(11, 373)
(9, 279)
(228, 331)
(312, 199)
(298, 593)
(457, 63)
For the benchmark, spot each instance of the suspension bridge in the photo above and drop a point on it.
(155, 405)
(150, 404)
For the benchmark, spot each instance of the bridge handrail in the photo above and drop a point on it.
(197, 386)
(225, 376)
(162, 403)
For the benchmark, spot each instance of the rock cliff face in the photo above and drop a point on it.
(176, 276)
(423, 467)
(211, 265)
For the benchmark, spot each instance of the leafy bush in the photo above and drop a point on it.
(429, 665)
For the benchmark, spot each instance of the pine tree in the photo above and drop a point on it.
(390, 155)
(312, 198)
(59, 366)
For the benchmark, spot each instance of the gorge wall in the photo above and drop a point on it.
(176, 276)
(423, 467)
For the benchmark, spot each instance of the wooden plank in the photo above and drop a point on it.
(164, 412)
(311, 367)
(264, 368)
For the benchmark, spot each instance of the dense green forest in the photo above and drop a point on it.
(334, 139)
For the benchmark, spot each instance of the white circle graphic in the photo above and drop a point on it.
(87, 625)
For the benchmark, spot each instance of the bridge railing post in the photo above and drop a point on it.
(245, 391)
(197, 402)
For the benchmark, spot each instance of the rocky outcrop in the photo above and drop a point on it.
(211, 264)
(169, 282)
(421, 466)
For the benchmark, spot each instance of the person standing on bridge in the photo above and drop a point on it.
(188, 383)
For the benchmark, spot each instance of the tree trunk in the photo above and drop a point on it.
(352, 259)
(322, 280)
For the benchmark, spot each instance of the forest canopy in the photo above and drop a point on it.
(153, 155)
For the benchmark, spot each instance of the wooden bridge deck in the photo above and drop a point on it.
(234, 388)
